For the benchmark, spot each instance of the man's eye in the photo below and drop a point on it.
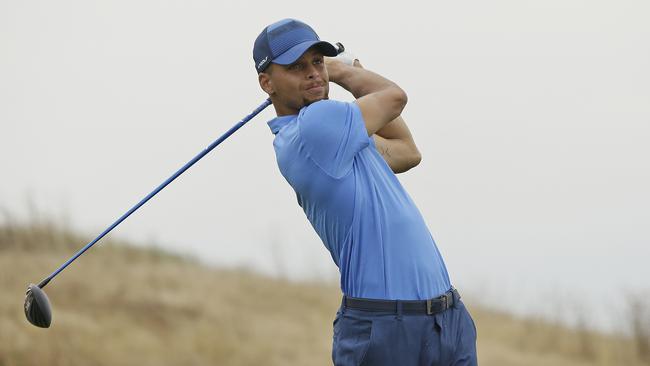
(318, 61)
(294, 67)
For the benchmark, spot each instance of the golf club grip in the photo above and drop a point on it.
(198, 157)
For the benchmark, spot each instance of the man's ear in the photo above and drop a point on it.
(266, 83)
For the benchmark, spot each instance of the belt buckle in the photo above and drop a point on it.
(446, 299)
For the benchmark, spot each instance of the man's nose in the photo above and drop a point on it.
(312, 72)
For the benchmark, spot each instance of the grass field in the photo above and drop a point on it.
(123, 305)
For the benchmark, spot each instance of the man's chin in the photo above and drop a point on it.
(314, 100)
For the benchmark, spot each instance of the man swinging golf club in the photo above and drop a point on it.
(398, 306)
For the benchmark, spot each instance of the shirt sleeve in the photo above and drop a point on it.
(332, 133)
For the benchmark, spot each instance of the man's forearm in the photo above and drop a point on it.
(396, 129)
(357, 80)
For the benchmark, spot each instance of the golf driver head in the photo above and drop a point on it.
(37, 307)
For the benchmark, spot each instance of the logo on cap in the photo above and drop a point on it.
(262, 62)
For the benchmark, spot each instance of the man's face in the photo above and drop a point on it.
(294, 86)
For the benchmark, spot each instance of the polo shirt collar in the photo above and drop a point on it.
(277, 123)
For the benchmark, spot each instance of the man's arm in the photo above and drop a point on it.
(379, 99)
(393, 140)
(395, 144)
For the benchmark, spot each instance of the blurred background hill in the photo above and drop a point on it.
(122, 304)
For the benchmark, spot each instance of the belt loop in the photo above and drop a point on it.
(344, 304)
(398, 310)
(455, 297)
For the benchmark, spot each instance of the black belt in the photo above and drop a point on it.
(430, 307)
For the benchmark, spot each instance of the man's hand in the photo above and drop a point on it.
(347, 58)
(335, 65)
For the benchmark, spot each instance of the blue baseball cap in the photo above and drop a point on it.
(283, 42)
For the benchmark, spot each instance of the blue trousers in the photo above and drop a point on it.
(377, 338)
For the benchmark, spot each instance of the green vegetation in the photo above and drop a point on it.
(124, 305)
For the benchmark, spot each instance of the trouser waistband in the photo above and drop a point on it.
(431, 306)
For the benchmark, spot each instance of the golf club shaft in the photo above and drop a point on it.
(158, 189)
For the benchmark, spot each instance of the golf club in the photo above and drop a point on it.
(37, 306)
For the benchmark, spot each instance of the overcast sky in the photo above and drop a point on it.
(533, 118)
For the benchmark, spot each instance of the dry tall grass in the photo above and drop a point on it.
(120, 305)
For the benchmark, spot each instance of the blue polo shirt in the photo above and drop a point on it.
(373, 230)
